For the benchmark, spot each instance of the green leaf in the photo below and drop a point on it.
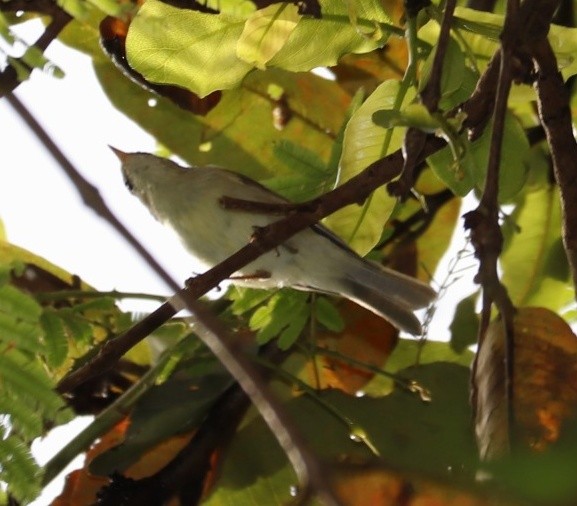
(294, 329)
(245, 299)
(55, 339)
(19, 315)
(540, 477)
(469, 172)
(414, 115)
(265, 33)
(563, 41)
(19, 305)
(286, 310)
(83, 35)
(18, 333)
(19, 469)
(556, 265)
(112, 7)
(26, 424)
(433, 437)
(530, 244)
(77, 327)
(188, 48)
(310, 177)
(23, 379)
(364, 142)
(345, 27)
(239, 132)
(464, 325)
(178, 405)
(337, 148)
(76, 8)
(408, 353)
(328, 315)
(162, 45)
(453, 68)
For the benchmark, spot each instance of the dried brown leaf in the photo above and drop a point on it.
(544, 383)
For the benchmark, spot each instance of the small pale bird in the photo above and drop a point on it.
(187, 199)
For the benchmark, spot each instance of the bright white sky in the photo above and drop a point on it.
(42, 212)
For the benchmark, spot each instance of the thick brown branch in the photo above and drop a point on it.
(486, 235)
(522, 26)
(555, 116)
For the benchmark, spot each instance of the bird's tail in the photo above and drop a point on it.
(388, 293)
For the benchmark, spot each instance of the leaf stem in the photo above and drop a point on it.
(94, 294)
(356, 433)
(405, 383)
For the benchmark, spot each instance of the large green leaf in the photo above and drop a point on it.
(469, 171)
(188, 48)
(430, 436)
(364, 142)
(207, 52)
(239, 133)
(284, 316)
(345, 27)
(532, 259)
(174, 407)
(265, 33)
(408, 353)
(481, 31)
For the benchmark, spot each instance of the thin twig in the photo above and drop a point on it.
(8, 76)
(415, 138)
(431, 93)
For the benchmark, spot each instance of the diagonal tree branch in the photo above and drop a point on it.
(311, 474)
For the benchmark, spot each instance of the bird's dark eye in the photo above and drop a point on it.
(128, 184)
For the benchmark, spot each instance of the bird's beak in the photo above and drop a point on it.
(122, 156)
